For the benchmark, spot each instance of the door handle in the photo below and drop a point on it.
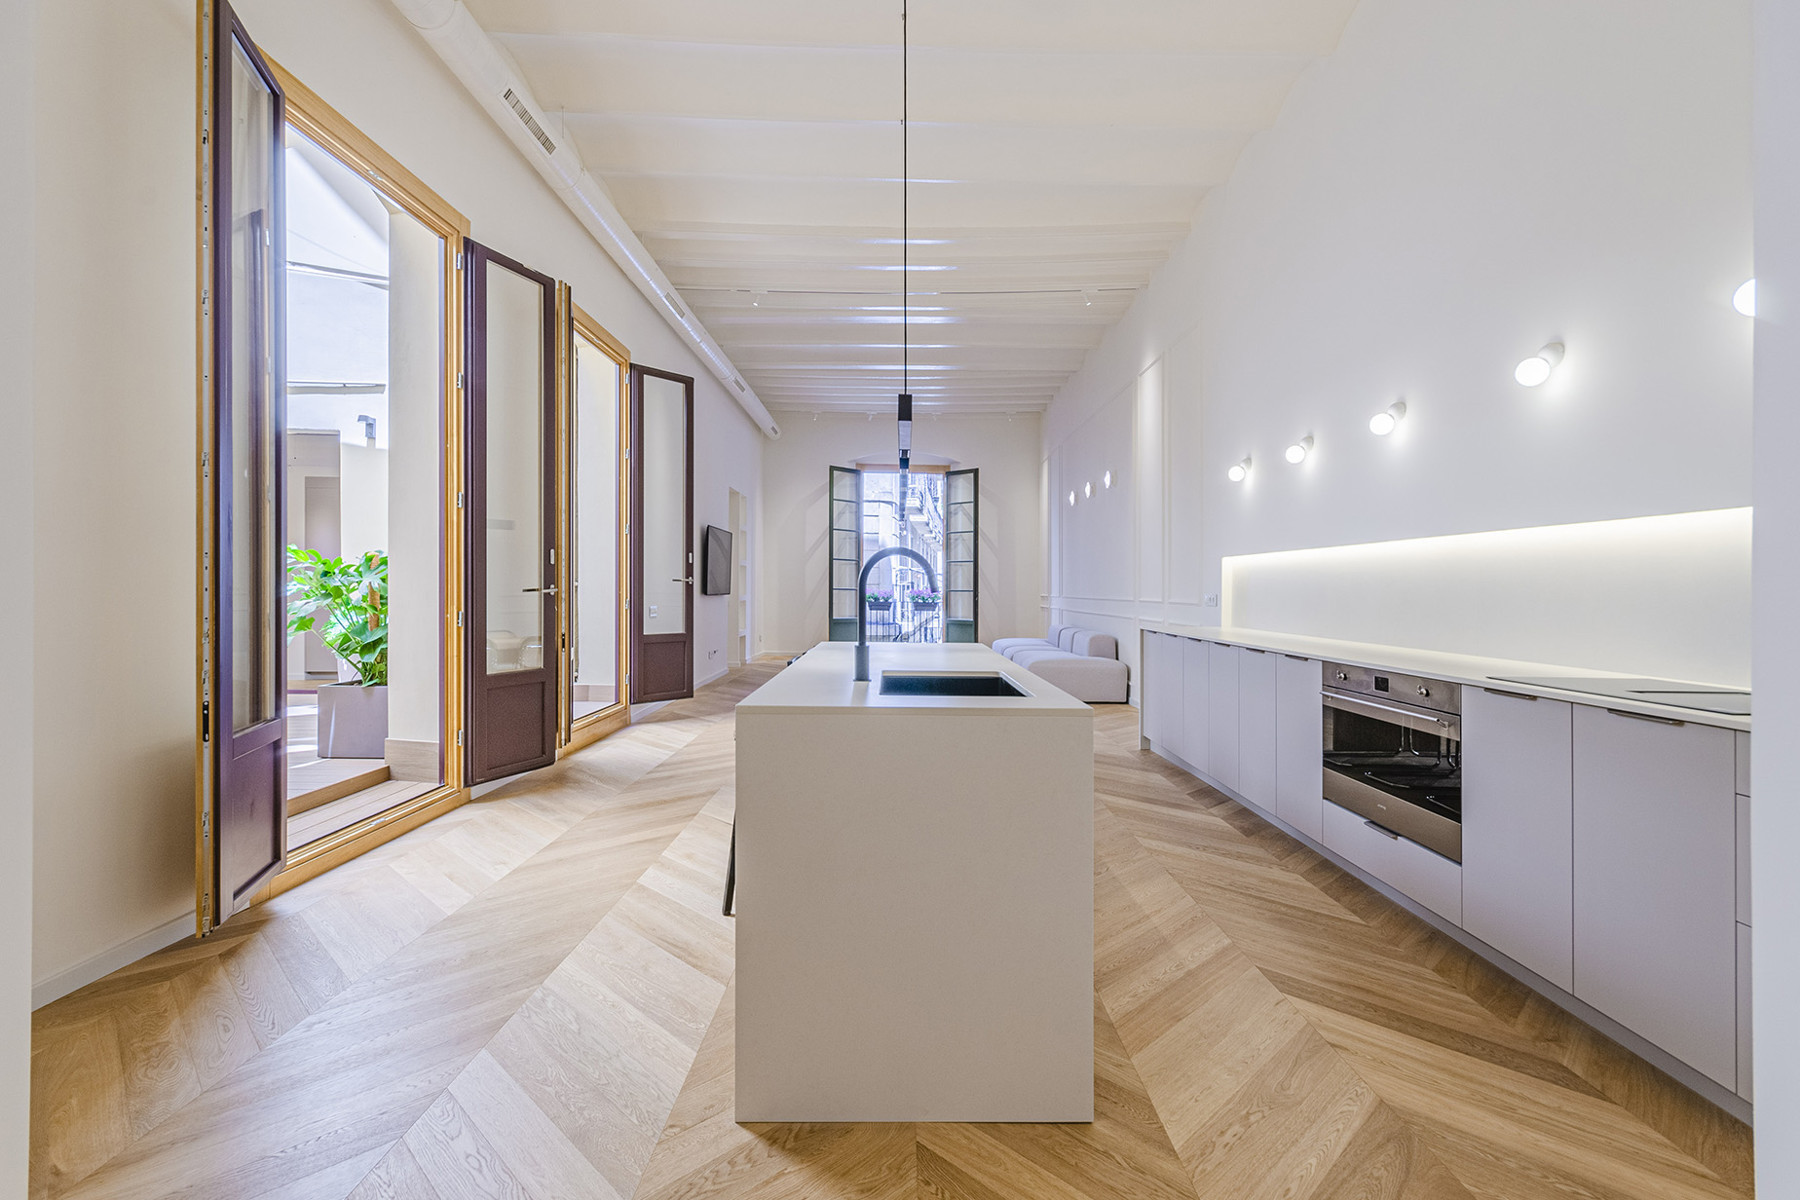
(679, 579)
(548, 591)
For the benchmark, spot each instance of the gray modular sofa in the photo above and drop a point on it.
(1082, 662)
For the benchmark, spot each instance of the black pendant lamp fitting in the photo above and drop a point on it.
(905, 409)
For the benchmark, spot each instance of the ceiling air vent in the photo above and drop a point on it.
(675, 304)
(740, 384)
(537, 131)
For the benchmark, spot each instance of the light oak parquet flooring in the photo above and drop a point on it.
(532, 998)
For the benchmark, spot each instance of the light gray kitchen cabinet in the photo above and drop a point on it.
(1518, 884)
(1655, 883)
(1743, 763)
(1256, 727)
(1196, 738)
(1745, 1059)
(1161, 712)
(1743, 861)
(1222, 710)
(1401, 863)
(1299, 786)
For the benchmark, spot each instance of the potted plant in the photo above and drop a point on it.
(924, 598)
(345, 602)
(880, 600)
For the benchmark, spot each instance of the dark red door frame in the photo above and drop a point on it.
(512, 715)
(662, 664)
(248, 807)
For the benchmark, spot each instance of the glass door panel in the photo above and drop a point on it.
(662, 442)
(594, 570)
(962, 555)
(511, 513)
(844, 497)
(242, 824)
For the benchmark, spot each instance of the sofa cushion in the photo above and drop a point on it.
(1090, 680)
(1094, 644)
(1065, 638)
(1007, 646)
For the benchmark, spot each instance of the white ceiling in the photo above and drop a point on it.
(1059, 151)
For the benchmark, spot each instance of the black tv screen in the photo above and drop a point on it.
(715, 562)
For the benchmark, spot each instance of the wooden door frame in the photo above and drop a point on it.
(312, 116)
(576, 732)
(638, 371)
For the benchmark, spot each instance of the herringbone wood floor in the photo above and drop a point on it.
(531, 998)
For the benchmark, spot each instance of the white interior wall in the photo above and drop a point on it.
(1775, 780)
(17, 251)
(114, 441)
(1454, 187)
(793, 557)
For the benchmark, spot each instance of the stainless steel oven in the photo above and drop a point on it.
(1393, 753)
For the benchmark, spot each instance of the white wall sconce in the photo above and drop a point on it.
(1537, 368)
(1388, 419)
(1087, 490)
(1106, 480)
(1297, 452)
(1071, 499)
(1744, 299)
(1239, 471)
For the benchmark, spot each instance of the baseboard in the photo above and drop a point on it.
(721, 673)
(108, 961)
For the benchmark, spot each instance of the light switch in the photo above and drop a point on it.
(653, 612)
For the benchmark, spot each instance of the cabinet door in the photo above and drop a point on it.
(1196, 736)
(1161, 688)
(1256, 727)
(1518, 829)
(1655, 932)
(1299, 742)
(1222, 713)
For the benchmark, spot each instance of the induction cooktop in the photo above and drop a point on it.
(1703, 697)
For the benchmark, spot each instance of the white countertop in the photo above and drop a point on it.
(822, 681)
(1470, 670)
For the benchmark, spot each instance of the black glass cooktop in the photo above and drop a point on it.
(1732, 702)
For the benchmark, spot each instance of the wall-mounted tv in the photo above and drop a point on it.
(715, 562)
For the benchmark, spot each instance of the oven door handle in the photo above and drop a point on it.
(1446, 726)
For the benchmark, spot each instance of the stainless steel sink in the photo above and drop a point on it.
(948, 683)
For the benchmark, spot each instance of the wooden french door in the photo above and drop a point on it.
(510, 510)
(243, 703)
(843, 596)
(662, 542)
(962, 556)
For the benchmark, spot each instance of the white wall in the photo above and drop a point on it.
(1454, 187)
(17, 216)
(792, 559)
(114, 442)
(1775, 818)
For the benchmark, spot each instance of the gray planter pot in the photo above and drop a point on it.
(353, 721)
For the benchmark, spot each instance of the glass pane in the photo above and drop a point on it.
(515, 465)
(256, 563)
(664, 458)
(596, 566)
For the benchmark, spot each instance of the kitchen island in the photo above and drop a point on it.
(915, 892)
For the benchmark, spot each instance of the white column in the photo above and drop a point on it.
(17, 270)
(414, 490)
(1775, 818)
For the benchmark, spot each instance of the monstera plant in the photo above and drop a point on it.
(345, 602)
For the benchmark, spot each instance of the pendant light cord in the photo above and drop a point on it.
(905, 210)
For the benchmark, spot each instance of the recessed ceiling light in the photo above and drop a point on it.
(1239, 471)
(1388, 419)
(1297, 452)
(1087, 490)
(1744, 299)
(1071, 499)
(1536, 369)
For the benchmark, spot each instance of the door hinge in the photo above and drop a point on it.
(206, 720)
(459, 499)
(459, 618)
(205, 822)
(459, 737)
(459, 260)
(553, 556)
(459, 379)
(628, 454)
